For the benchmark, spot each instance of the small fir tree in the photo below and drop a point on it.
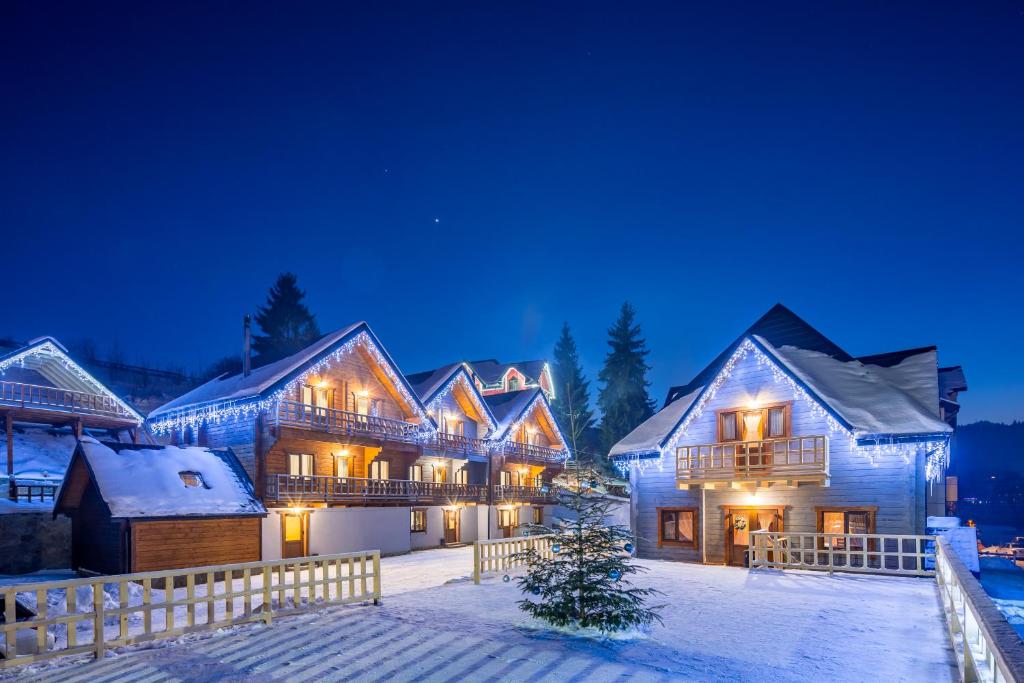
(287, 324)
(571, 406)
(584, 584)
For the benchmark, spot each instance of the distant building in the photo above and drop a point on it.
(786, 431)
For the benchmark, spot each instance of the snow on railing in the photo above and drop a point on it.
(901, 554)
(987, 647)
(53, 398)
(86, 616)
(503, 553)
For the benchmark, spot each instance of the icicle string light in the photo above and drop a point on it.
(937, 450)
(50, 351)
(537, 402)
(233, 410)
(460, 378)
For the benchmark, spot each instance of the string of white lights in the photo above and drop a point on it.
(937, 450)
(541, 402)
(218, 412)
(51, 351)
(460, 378)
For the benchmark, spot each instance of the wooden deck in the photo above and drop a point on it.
(332, 421)
(32, 402)
(798, 459)
(285, 488)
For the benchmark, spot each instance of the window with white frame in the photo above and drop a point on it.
(380, 469)
(300, 464)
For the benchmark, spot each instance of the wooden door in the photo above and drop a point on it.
(294, 531)
(451, 527)
(739, 523)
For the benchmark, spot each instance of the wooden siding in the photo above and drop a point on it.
(97, 542)
(895, 487)
(452, 405)
(323, 451)
(237, 434)
(181, 543)
(352, 373)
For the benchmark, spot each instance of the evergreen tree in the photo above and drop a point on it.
(572, 394)
(623, 399)
(287, 324)
(584, 582)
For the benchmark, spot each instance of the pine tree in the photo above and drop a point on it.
(287, 324)
(584, 583)
(572, 393)
(623, 399)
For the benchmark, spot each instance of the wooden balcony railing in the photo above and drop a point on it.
(312, 488)
(523, 494)
(798, 458)
(52, 398)
(456, 443)
(32, 491)
(304, 416)
(529, 451)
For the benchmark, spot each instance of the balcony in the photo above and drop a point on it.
(456, 444)
(34, 399)
(522, 494)
(790, 461)
(331, 421)
(291, 489)
(534, 453)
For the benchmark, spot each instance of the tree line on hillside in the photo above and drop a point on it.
(288, 326)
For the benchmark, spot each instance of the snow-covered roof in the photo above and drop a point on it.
(870, 399)
(146, 482)
(429, 385)
(511, 406)
(238, 386)
(648, 436)
(491, 371)
(890, 395)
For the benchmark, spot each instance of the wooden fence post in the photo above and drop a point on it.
(268, 599)
(377, 598)
(476, 562)
(99, 639)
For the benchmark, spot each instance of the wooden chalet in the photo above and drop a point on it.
(148, 508)
(786, 432)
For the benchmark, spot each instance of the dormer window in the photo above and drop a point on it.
(192, 480)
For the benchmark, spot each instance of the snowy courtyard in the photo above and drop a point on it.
(720, 624)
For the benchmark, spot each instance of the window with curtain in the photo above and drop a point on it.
(341, 466)
(416, 473)
(462, 476)
(300, 464)
(440, 474)
(538, 515)
(753, 425)
(506, 478)
(418, 520)
(776, 423)
(728, 430)
(677, 526)
(380, 469)
(845, 522)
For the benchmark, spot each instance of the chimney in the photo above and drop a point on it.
(246, 345)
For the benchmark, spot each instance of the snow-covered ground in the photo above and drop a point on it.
(1003, 580)
(721, 623)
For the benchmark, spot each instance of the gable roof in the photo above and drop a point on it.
(491, 371)
(136, 481)
(781, 327)
(270, 381)
(433, 383)
(46, 359)
(895, 396)
(510, 407)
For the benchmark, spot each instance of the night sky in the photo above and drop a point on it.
(466, 177)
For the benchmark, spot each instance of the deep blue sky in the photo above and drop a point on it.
(467, 177)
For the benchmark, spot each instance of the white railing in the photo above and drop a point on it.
(987, 647)
(503, 553)
(53, 398)
(791, 458)
(901, 554)
(86, 616)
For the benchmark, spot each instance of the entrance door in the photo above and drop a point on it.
(739, 523)
(294, 527)
(451, 526)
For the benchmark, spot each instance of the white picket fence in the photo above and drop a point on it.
(89, 615)
(500, 554)
(901, 554)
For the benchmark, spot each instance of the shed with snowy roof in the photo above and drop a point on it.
(147, 508)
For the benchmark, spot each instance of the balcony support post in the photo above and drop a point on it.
(9, 429)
